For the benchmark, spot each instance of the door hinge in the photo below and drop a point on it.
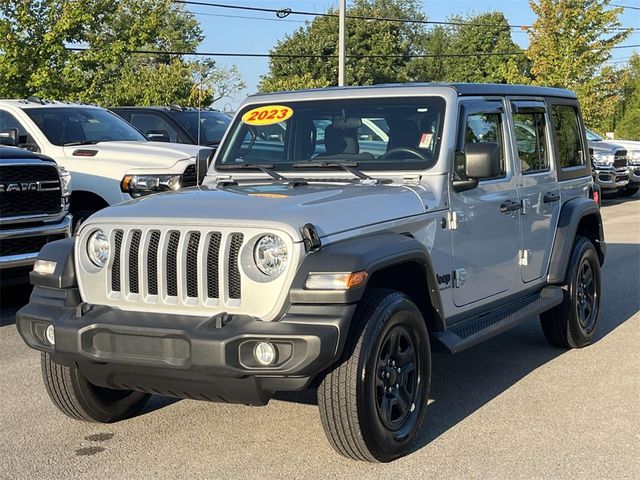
(459, 277)
(412, 179)
(526, 203)
(523, 258)
(453, 220)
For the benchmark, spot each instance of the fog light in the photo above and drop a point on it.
(265, 353)
(50, 334)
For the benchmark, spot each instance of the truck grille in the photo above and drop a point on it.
(27, 198)
(22, 245)
(176, 266)
(620, 159)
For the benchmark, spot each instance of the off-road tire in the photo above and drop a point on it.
(74, 396)
(562, 325)
(351, 396)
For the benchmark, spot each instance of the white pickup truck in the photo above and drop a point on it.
(109, 160)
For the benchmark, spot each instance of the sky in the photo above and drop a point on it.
(224, 32)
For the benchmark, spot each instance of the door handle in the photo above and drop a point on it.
(550, 197)
(510, 206)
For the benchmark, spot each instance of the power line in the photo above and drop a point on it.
(285, 12)
(624, 6)
(247, 18)
(305, 55)
(316, 55)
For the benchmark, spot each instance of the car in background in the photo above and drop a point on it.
(34, 209)
(177, 124)
(610, 169)
(633, 162)
(109, 160)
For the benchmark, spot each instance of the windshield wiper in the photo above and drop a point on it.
(267, 169)
(346, 166)
(83, 142)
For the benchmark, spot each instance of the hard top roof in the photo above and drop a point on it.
(462, 89)
(29, 103)
(170, 108)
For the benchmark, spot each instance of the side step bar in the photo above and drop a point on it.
(489, 324)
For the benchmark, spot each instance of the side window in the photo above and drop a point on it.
(7, 120)
(568, 136)
(147, 121)
(259, 144)
(482, 128)
(531, 141)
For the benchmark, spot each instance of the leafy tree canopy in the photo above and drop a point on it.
(627, 117)
(35, 36)
(569, 44)
(320, 37)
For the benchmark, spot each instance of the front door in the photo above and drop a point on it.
(538, 186)
(485, 220)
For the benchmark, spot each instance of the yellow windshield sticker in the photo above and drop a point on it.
(268, 195)
(267, 115)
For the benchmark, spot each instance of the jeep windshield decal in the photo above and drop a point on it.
(374, 134)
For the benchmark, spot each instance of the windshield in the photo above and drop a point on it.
(77, 125)
(212, 125)
(374, 134)
(593, 137)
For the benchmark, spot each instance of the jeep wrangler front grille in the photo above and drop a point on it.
(176, 267)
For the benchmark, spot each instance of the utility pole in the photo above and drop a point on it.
(341, 42)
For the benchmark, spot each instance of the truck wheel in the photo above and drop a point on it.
(572, 323)
(74, 396)
(373, 402)
(629, 191)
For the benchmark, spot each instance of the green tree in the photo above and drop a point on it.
(35, 36)
(569, 44)
(627, 117)
(486, 33)
(364, 37)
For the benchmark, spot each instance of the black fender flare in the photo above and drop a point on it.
(572, 212)
(62, 253)
(365, 253)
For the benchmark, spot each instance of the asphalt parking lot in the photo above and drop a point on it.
(513, 407)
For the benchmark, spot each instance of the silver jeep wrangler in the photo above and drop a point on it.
(338, 238)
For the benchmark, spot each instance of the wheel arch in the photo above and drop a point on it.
(391, 261)
(578, 217)
(82, 200)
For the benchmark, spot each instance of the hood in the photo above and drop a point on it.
(630, 145)
(332, 208)
(604, 147)
(143, 154)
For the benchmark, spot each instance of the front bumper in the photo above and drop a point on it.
(611, 178)
(183, 356)
(634, 173)
(41, 233)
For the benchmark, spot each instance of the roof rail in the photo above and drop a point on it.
(34, 99)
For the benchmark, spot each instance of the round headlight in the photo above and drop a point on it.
(98, 248)
(270, 255)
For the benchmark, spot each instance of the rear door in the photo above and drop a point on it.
(537, 185)
(485, 236)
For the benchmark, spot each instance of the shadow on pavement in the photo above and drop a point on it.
(463, 383)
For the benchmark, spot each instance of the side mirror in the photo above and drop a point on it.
(482, 160)
(9, 137)
(158, 136)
